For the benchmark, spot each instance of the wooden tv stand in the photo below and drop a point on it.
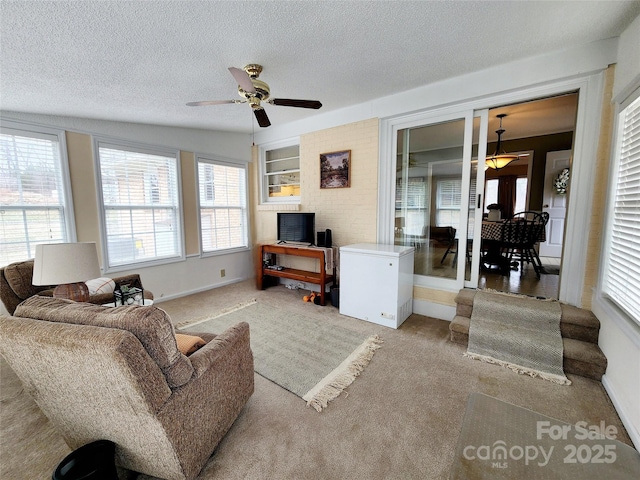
(317, 278)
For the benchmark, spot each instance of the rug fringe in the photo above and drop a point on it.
(560, 380)
(238, 306)
(341, 377)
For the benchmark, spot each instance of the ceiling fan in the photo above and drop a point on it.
(254, 91)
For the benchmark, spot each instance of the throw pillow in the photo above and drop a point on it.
(187, 344)
(100, 285)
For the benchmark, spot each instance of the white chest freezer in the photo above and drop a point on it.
(376, 283)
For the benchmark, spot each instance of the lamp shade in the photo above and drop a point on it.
(60, 263)
(500, 161)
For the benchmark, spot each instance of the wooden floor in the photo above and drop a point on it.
(430, 262)
(525, 282)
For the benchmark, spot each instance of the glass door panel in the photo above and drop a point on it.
(429, 211)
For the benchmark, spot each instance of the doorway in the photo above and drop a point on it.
(541, 133)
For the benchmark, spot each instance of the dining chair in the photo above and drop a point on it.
(520, 235)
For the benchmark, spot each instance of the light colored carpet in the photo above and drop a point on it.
(503, 441)
(308, 357)
(399, 420)
(520, 333)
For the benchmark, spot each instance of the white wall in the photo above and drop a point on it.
(628, 67)
(172, 279)
(508, 77)
(619, 335)
(227, 144)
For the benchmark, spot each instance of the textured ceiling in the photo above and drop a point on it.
(142, 61)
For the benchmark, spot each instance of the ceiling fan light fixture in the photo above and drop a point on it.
(500, 159)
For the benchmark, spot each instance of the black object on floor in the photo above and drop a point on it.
(93, 461)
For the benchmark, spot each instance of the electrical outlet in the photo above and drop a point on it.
(222, 272)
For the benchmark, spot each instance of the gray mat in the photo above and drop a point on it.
(520, 333)
(502, 441)
(308, 357)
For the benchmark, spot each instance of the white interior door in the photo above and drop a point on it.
(554, 204)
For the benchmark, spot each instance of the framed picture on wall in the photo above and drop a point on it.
(335, 168)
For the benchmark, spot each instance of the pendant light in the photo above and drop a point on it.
(500, 159)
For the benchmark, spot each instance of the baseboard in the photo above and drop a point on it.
(634, 434)
(198, 290)
(435, 310)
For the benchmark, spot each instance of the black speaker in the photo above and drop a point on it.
(327, 238)
(321, 239)
(324, 239)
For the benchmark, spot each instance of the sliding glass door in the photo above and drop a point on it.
(436, 202)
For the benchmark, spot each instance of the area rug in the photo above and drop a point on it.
(499, 441)
(313, 359)
(520, 333)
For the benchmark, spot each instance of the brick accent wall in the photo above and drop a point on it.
(350, 213)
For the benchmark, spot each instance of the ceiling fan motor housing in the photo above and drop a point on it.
(262, 91)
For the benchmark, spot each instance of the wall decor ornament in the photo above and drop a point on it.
(562, 182)
(335, 169)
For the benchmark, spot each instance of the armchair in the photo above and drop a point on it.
(116, 374)
(16, 286)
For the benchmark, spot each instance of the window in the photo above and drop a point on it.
(492, 189)
(448, 194)
(622, 269)
(222, 194)
(490, 193)
(35, 203)
(140, 198)
(281, 174)
(521, 194)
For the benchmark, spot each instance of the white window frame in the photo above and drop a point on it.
(264, 190)
(14, 127)
(590, 87)
(245, 208)
(118, 144)
(603, 294)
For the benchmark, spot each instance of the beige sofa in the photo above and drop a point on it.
(115, 373)
(16, 286)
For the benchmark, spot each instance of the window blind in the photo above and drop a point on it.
(32, 200)
(223, 206)
(140, 200)
(622, 272)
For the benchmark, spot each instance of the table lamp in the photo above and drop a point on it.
(67, 265)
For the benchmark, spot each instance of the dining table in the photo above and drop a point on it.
(494, 246)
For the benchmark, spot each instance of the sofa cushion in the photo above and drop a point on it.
(19, 276)
(151, 325)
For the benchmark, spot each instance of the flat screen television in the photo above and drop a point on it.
(296, 227)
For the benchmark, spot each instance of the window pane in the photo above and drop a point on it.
(490, 193)
(428, 195)
(140, 199)
(32, 201)
(622, 272)
(223, 211)
(521, 194)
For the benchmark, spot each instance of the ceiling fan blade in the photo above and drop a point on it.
(288, 102)
(261, 116)
(243, 79)
(212, 102)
